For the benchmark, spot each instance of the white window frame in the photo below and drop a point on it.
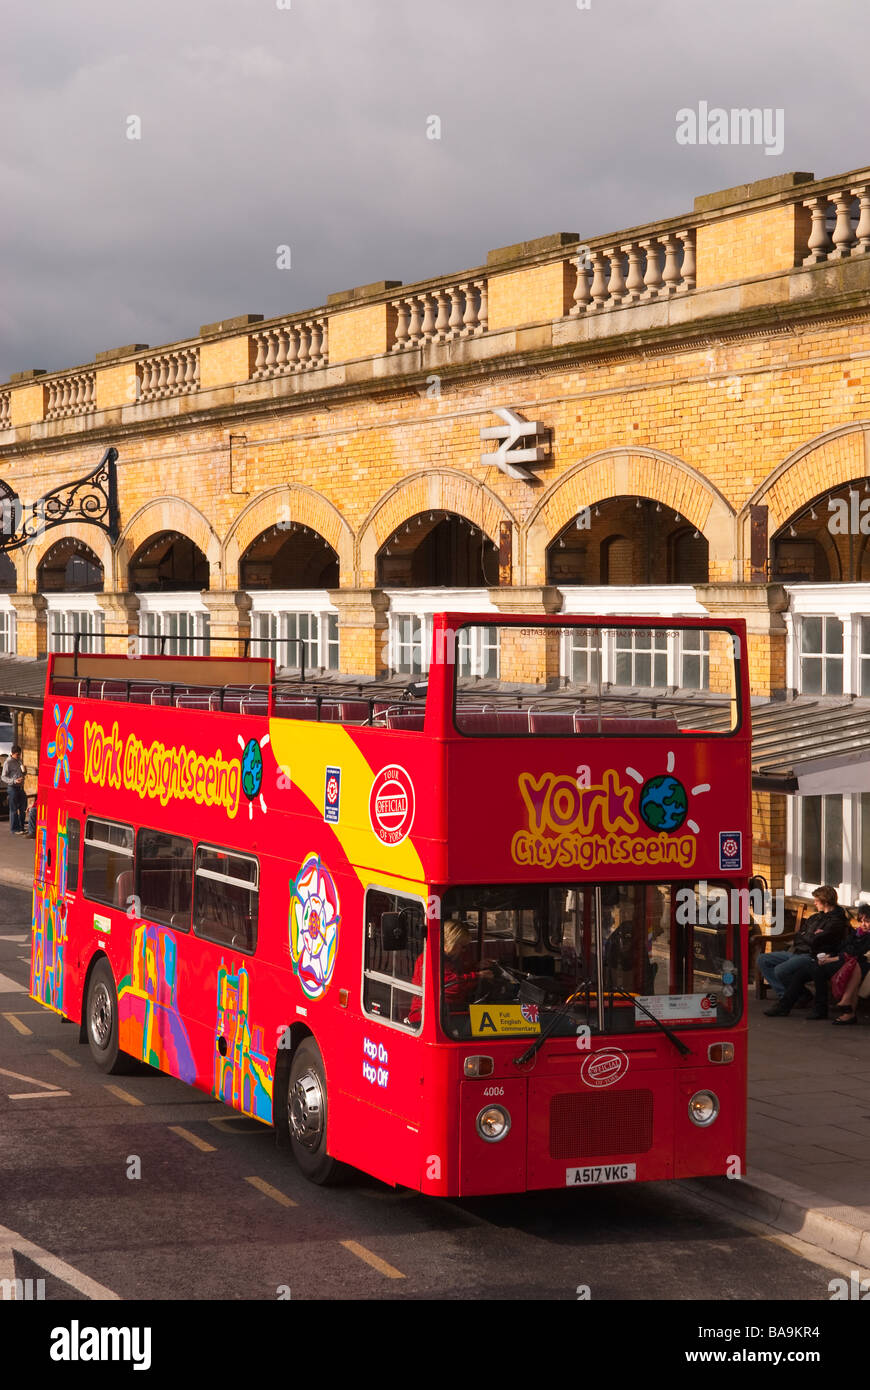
(421, 604)
(159, 613)
(850, 885)
(68, 612)
(8, 627)
(847, 602)
(273, 613)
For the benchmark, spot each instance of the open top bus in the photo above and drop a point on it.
(469, 937)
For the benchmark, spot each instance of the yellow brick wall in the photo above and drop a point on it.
(531, 296)
(27, 404)
(754, 243)
(226, 361)
(116, 386)
(361, 332)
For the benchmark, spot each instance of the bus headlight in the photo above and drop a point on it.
(703, 1108)
(493, 1123)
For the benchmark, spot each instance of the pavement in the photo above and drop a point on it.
(808, 1157)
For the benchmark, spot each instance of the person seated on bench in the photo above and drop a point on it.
(855, 947)
(828, 927)
(779, 967)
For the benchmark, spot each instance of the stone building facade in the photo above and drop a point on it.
(319, 480)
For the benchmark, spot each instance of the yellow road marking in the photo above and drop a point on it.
(123, 1095)
(193, 1139)
(374, 1260)
(36, 1095)
(18, 1025)
(62, 1057)
(272, 1192)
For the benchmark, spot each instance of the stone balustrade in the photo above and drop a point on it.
(296, 346)
(70, 395)
(840, 225)
(440, 315)
(634, 272)
(172, 373)
(546, 292)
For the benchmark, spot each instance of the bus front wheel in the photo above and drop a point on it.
(305, 1114)
(101, 1015)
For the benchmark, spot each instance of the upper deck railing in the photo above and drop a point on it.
(445, 704)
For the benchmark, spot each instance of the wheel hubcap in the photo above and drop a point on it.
(101, 1016)
(305, 1110)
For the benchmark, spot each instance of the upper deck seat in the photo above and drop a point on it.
(141, 692)
(255, 704)
(542, 721)
(62, 686)
(355, 711)
(492, 721)
(398, 717)
(618, 725)
(198, 700)
(111, 690)
(295, 706)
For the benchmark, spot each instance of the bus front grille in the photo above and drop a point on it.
(597, 1126)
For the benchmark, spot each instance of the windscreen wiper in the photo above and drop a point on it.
(668, 1032)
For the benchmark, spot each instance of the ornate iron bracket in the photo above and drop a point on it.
(92, 500)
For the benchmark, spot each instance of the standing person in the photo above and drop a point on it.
(826, 930)
(13, 775)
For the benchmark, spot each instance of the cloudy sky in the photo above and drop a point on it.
(304, 123)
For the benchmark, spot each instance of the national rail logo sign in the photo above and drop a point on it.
(392, 804)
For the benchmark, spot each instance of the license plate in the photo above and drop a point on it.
(606, 1172)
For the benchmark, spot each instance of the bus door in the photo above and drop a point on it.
(383, 1078)
(231, 1051)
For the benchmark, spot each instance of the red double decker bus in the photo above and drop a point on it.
(470, 938)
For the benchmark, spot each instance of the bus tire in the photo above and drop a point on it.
(101, 1022)
(304, 1115)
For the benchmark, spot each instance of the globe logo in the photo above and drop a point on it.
(252, 769)
(663, 803)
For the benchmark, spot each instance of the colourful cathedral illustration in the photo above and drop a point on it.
(242, 1074)
(149, 1023)
(48, 921)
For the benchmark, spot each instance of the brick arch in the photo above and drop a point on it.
(290, 502)
(167, 514)
(92, 536)
(631, 473)
(436, 489)
(826, 462)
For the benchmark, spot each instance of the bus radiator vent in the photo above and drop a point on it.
(598, 1126)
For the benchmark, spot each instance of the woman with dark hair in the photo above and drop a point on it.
(855, 947)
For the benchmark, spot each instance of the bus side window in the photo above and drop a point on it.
(107, 870)
(393, 980)
(225, 898)
(73, 842)
(164, 878)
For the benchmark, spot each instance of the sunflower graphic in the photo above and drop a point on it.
(62, 744)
